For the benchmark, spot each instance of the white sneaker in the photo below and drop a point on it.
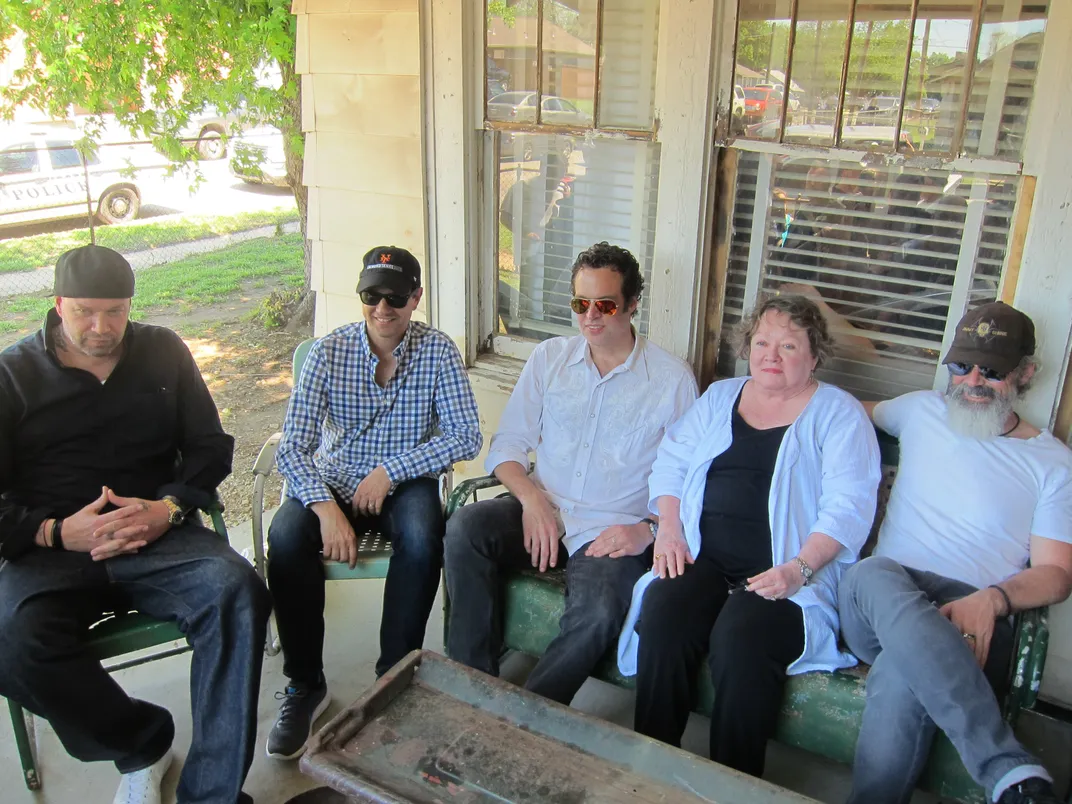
(143, 786)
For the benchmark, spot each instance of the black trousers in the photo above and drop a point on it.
(748, 640)
(413, 519)
(486, 538)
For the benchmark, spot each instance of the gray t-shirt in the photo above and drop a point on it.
(967, 508)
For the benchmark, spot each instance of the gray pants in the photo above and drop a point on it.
(923, 677)
(485, 538)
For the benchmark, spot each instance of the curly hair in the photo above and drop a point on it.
(618, 259)
(802, 312)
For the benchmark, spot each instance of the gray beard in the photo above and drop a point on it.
(974, 420)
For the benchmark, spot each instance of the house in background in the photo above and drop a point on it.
(897, 228)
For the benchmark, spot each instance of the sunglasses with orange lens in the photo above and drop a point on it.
(605, 306)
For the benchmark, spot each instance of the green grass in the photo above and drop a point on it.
(28, 253)
(194, 281)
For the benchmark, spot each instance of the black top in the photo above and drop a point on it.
(734, 522)
(151, 429)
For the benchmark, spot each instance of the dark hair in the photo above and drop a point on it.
(802, 311)
(618, 259)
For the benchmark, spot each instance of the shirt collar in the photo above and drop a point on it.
(636, 362)
(398, 352)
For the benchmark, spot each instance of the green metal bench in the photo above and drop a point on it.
(821, 712)
(117, 634)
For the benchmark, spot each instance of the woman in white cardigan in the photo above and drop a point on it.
(765, 491)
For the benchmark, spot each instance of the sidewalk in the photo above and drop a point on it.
(25, 282)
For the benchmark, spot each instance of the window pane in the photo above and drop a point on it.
(762, 46)
(569, 61)
(510, 63)
(1003, 83)
(820, 46)
(17, 159)
(879, 248)
(935, 89)
(557, 196)
(876, 70)
(62, 154)
(628, 61)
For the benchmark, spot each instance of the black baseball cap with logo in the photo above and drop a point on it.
(994, 336)
(392, 268)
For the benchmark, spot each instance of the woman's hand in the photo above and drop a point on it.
(671, 549)
(777, 583)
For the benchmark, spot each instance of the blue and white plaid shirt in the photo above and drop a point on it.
(340, 424)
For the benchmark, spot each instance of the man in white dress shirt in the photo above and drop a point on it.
(593, 408)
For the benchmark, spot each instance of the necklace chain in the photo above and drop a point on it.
(1017, 415)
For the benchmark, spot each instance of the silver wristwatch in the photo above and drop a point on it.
(805, 570)
(651, 526)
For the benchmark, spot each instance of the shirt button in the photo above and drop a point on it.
(591, 415)
(586, 446)
(578, 474)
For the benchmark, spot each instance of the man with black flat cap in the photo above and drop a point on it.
(109, 439)
(978, 527)
(381, 409)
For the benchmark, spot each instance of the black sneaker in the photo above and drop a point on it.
(301, 706)
(1030, 791)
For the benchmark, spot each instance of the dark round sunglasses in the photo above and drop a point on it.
(964, 369)
(372, 298)
(605, 306)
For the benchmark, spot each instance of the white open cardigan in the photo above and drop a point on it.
(825, 480)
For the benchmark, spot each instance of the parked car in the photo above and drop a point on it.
(42, 178)
(257, 156)
(737, 113)
(520, 107)
(760, 104)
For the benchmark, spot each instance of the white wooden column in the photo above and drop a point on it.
(449, 77)
(684, 114)
(1044, 289)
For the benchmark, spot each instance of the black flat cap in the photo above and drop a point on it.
(94, 272)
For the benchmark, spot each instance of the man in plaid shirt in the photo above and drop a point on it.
(381, 409)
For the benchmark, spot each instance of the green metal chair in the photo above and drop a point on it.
(117, 634)
(373, 548)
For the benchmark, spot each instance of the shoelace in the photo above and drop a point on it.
(290, 698)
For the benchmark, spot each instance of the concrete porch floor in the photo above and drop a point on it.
(353, 615)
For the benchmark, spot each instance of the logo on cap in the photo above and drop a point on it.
(385, 258)
(985, 331)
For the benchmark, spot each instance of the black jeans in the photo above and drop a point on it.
(412, 517)
(749, 642)
(191, 576)
(485, 538)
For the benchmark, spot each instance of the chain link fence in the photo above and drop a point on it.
(59, 192)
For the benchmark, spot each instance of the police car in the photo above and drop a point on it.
(42, 178)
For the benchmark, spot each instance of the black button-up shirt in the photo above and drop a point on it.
(149, 430)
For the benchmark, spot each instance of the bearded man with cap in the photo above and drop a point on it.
(109, 439)
(980, 494)
(381, 409)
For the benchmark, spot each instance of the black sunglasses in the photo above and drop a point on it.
(964, 369)
(373, 297)
(605, 306)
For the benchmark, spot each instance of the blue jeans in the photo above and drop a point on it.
(485, 538)
(923, 677)
(412, 517)
(190, 576)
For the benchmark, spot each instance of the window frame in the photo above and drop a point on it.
(953, 162)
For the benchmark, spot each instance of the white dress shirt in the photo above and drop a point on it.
(595, 438)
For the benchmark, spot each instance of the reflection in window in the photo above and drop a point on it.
(557, 196)
(21, 158)
(905, 76)
(62, 154)
(879, 248)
